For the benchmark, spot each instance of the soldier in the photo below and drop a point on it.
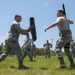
(47, 47)
(65, 37)
(12, 53)
(11, 41)
(1, 46)
(33, 49)
(27, 47)
(73, 48)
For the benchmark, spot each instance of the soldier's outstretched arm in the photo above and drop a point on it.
(51, 45)
(44, 45)
(57, 22)
(22, 31)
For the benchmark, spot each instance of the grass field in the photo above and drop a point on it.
(40, 66)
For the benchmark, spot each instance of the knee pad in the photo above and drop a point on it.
(67, 45)
(58, 53)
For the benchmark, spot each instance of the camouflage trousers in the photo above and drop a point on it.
(12, 44)
(29, 53)
(63, 42)
(47, 53)
(73, 51)
(33, 52)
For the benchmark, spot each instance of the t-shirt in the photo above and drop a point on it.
(64, 25)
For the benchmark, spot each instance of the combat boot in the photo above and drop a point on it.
(21, 66)
(0, 59)
(71, 62)
(31, 59)
(62, 63)
(60, 67)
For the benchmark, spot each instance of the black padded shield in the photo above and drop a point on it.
(33, 31)
(64, 9)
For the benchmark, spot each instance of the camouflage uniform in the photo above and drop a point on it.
(11, 41)
(33, 48)
(1, 46)
(64, 40)
(65, 37)
(27, 48)
(47, 47)
(12, 53)
(72, 48)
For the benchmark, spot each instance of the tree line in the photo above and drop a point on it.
(38, 51)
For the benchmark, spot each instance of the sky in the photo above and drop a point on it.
(44, 12)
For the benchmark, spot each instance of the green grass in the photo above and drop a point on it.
(40, 66)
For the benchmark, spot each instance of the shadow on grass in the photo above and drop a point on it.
(71, 68)
(44, 68)
(12, 67)
(29, 68)
(33, 61)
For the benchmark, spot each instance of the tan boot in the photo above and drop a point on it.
(61, 67)
(62, 63)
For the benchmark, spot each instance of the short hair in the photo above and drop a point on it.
(46, 40)
(17, 15)
(61, 11)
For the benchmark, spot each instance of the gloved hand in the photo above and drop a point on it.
(29, 29)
